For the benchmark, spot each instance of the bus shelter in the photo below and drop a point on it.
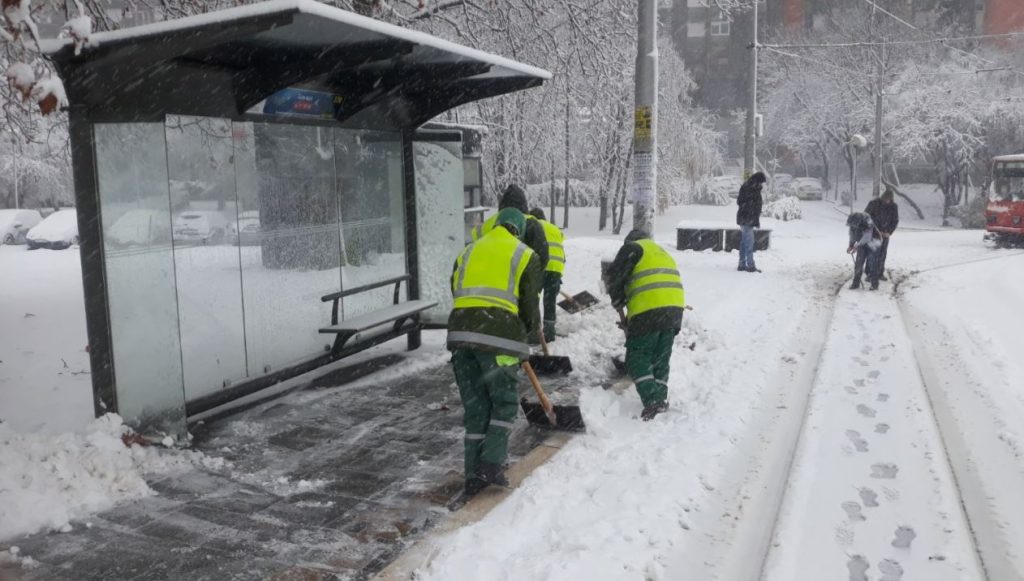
(247, 178)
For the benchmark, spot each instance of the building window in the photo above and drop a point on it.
(720, 25)
(695, 29)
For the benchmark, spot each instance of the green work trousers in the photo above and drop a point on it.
(489, 400)
(647, 360)
(552, 286)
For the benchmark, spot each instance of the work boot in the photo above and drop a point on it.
(882, 277)
(741, 268)
(855, 285)
(490, 473)
(874, 285)
(474, 486)
(753, 269)
(652, 410)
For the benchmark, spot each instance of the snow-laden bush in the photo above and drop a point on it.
(581, 193)
(784, 209)
(972, 214)
(710, 193)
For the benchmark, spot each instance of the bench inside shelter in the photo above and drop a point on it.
(403, 317)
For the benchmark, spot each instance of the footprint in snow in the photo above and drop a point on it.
(885, 358)
(865, 411)
(858, 442)
(866, 350)
(844, 536)
(891, 494)
(853, 511)
(858, 382)
(904, 536)
(891, 570)
(883, 470)
(851, 390)
(883, 397)
(873, 374)
(869, 497)
(858, 567)
(881, 428)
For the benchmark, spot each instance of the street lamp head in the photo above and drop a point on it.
(858, 141)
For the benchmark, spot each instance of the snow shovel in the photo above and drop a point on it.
(558, 417)
(548, 364)
(577, 303)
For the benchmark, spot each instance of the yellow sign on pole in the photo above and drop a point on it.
(643, 126)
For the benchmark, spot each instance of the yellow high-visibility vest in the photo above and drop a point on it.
(655, 282)
(556, 250)
(488, 272)
(488, 225)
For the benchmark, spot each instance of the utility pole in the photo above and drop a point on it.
(876, 189)
(645, 117)
(749, 146)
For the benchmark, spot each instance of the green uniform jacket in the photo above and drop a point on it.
(619, 273)
(498, 322)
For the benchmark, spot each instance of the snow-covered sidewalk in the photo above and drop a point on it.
(871, 494)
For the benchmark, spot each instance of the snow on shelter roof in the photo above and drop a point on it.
(222, 63)
(1016, 157)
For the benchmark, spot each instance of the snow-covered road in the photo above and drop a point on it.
(871, 494)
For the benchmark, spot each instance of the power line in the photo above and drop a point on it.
(816, 61)
(891, 42)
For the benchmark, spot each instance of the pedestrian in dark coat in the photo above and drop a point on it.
(865, 240)
(748, 217)
(886, 215)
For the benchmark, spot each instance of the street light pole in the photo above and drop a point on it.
(749, 146)
(645, 120)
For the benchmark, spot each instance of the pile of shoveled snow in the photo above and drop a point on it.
(47, 481)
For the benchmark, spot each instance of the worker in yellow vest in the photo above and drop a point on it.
(514, 197)
(553, 273)
(644, 279)
(496, 283)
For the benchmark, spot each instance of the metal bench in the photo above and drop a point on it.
(403, 316)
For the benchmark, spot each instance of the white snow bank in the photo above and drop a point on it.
(46, 482)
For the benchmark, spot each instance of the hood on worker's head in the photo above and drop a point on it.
(856, 219)
(758, 178)
(538, 214)
(636, 234)
(512, 219)
(888, 196)
(513, 197)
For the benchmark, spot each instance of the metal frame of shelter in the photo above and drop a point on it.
(221, 65)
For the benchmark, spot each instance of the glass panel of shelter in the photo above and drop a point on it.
(440, 221)
(135, 211)
(285, 177)
(206, 256)
(372, 208)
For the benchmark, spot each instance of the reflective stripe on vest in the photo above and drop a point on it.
(655, 282)
(488, 272)
(556, 252)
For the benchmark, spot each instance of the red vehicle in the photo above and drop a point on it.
(1004, 216)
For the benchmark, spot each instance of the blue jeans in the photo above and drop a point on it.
(747, 247)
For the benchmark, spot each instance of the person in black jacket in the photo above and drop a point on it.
(886, 215)
(865, 240)
(748, 217)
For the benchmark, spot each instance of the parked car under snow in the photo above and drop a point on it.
(59, 230)
(200, 227)
(139, 227)
(15, 224)
(807, 188)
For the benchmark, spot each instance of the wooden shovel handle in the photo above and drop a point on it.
(549, 409)
(568, 297)
(544, 343)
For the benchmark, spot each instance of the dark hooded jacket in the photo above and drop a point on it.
(617, 279)
(514, 197)
(749, 201)
(886, 216)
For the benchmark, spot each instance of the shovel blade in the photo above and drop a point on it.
(579, 303)
(567, 417)
(551, 364)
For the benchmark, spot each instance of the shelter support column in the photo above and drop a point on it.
(94, 284)
(411, 238)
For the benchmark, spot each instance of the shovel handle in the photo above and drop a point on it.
(544, 343)
(549, 409)
(568, 297)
